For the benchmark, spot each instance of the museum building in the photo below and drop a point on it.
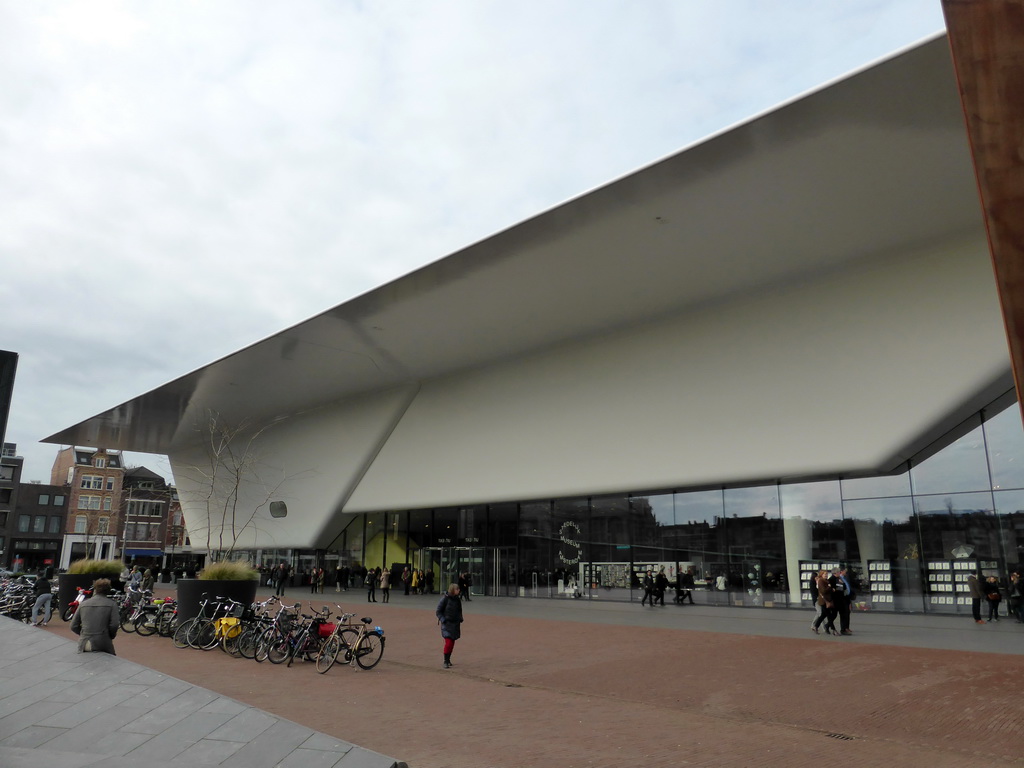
(776, 350)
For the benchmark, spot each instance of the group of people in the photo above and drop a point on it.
(655, 586)
(377, 577)
(990, 592)
(417, 582)
(138, 579)
(835, 595)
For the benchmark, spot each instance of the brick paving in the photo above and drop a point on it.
(542, 682)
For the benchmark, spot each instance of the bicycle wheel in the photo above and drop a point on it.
(370, 651)
(128, 616)
(328, 654)
(206, 636)
(68, 613)
(298, 648)
(263, 644)
(145, 623)
(279, 647)
(229, 640)
(180, 636)
(165, 623)
(348, 637)
(246, 645)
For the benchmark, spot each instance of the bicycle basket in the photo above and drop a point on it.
(326, 629)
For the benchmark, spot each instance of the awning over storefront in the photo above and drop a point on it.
(143, 552)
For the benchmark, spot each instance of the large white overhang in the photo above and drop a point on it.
(874, 164)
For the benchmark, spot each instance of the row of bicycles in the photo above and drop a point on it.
(265, 631)
(17, 596)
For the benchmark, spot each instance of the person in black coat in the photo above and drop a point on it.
(449, 616)
(465, 582)
(648, 585)
(660, 585)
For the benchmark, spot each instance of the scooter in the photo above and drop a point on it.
(73, 605)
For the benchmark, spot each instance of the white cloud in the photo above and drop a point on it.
(182, 179)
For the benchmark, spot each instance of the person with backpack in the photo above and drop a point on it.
(449, 616)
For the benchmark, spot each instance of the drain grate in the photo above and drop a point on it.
(840, 736)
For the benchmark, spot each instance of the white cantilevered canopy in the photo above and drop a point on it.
(806, 293)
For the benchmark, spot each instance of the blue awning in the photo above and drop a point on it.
(143, 552)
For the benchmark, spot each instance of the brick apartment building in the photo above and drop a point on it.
(93, 479)
(149, 506)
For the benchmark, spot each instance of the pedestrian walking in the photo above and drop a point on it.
(648, 585)
(449, 616)
(385, 586)
(660, 585)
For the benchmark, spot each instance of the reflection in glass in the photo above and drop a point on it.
(1010, 513)
(948, 522)
(610, 552)
(699, 507)
(663, 508)
(535, 551)
(1004, 435)
(876, 487)
(959, 467)
(761, 500)
(812, 501)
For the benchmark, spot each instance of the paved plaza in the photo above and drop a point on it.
(579, 683)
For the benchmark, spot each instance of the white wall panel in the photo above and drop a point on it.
(312, 460)
(840, 373)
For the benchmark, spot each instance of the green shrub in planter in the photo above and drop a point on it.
(107, 569)
(230, 570)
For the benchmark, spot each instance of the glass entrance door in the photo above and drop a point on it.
(491, 570)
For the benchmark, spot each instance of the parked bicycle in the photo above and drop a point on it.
(254, 620)
(303, 641)
(365, 649)
(279, 628)
(200, 630)
(17, 598)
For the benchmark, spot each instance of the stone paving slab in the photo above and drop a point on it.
(581, 684)
(63, 709)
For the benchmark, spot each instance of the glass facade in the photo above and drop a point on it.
(910, 539)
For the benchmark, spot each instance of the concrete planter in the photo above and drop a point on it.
(190, 593)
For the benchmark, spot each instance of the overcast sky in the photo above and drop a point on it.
(179, 180)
